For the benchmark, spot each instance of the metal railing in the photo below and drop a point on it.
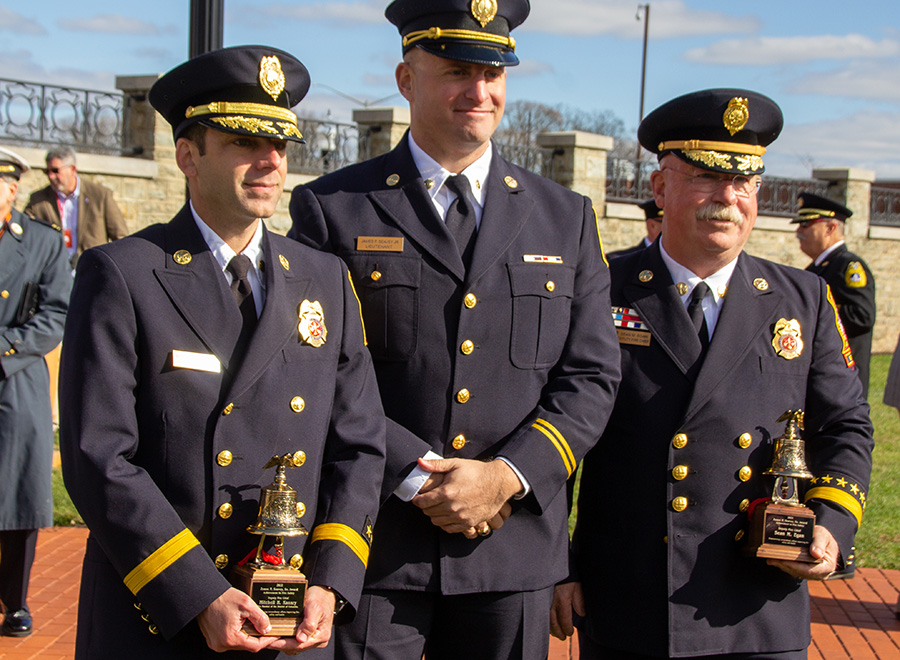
(885, 207)
(330, 145)
(778, 196)
(534, 159)
(86, 120)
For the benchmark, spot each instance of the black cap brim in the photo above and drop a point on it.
(464, 52)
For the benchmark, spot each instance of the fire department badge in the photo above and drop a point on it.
(312, 323)
(787, 342)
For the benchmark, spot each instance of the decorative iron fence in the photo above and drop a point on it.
(329, 146)
(628, 180)
(885, 207)
(86, 120)
(778, 196)
(534, 159)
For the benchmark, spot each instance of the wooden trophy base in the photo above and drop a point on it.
(279, 592)
(778, 531)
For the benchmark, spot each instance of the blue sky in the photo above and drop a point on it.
(833, 66)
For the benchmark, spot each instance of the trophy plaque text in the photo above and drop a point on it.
(278, 588)
(782, 528)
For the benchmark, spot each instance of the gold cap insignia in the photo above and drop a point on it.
(15, 228)
(511, 182)
(761, 284)
(312, 323)
(284, 262)
(682, 288)
(645, 275)
(394, 179)
(787, 341)
(182, 257)
(271, 77)
(855, 275)
(737, 114)
(484, 11)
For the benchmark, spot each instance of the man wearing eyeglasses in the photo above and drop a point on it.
(820, 230)
(718, 344)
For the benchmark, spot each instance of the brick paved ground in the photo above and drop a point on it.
(852, 619)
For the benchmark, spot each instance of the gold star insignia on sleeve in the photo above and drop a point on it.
(841, 482)
(827, 479)
(854, 488)
(814, 480)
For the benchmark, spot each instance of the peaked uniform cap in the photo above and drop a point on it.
(814, 207)
(12, 164)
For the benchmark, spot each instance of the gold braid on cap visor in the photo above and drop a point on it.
(730, 147)
(226, 108)
(465, 35)
(815, 213)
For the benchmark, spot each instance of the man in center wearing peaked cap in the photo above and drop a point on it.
(718, 345)
(820, 231)
(201, 349)
(484, 292)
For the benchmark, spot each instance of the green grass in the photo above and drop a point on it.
(878, 540)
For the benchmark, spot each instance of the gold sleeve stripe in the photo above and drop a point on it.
(359, 304)
(838, 496)
(163, 557)
(344, 534)
(559, 442)
(599, 237)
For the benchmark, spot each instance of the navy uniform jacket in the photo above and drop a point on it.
(517, 359)
(165, 463)
(853, 288)
(662, 582)
(35, 281)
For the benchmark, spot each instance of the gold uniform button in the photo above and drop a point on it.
(680, 503)
(666, 539)
(228, 409)
(680, 472)
(4, 294)
(467, 347)
(225, 511)
(222, 562)
(376, 275)
(744, 505)
(745, 440)
(550, 286)
(679, 441)
(299, 458)
(470, 300)
(463, 395)
(745, 473)
(298, 404)
(296, 562)
(301, 509)
(739, 535)
(224, 458)
(459, 442)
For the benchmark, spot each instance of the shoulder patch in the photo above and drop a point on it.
(855, 275)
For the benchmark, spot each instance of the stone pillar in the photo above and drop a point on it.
(851, 187)
(384, 126)
(579, 162)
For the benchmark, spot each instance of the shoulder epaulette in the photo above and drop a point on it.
(48, 223)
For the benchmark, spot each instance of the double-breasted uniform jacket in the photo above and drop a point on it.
(662, 510)
(514, 358)
(165, 463)
(853, 288)
(99, 217)
(35, 281)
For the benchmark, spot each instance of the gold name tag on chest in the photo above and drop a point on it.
(633, 337)
(379, 243)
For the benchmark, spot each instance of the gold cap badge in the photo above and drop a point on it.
(787, 341)
(484, 11)
(271, 77)
(312, 323)
(737, 114)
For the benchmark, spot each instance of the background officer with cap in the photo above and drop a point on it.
(820, 230)
(653, 217)
(484, 292)
(34, 294)
(718, 344)
(200, 349)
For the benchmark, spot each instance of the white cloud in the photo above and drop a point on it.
(763, 51)
(15, 23)
(869, 80)
(112, 24)
(339, 12)
(531, 68)
(20, 65)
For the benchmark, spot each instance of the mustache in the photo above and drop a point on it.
(717, 211)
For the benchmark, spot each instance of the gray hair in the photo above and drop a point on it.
(65, 154)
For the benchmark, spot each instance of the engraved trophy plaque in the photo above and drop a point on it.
(782, 528)
(278, 588)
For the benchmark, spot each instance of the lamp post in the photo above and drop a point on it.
(637, 17)
(207, 18)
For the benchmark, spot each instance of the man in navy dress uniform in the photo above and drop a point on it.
(483, 288)
(34, 293)
(820, 230)
(716, 346)
(200, 349)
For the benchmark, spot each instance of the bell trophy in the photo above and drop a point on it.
(277, 587)
(782, 528)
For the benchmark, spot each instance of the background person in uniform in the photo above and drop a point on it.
(719, 344)
(34, 292)
(820, 230)
(653, 217)
(892, 398)
(484, 292)
(200, 349)
(86, 211)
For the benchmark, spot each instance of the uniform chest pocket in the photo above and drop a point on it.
(541, 308)
(388, 288)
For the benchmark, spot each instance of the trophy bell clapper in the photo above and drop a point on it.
(278, 588)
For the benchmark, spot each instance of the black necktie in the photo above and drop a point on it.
(461, 216)
(239, 266)
(695, 311)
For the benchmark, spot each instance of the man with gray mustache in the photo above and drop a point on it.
(716, 345)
